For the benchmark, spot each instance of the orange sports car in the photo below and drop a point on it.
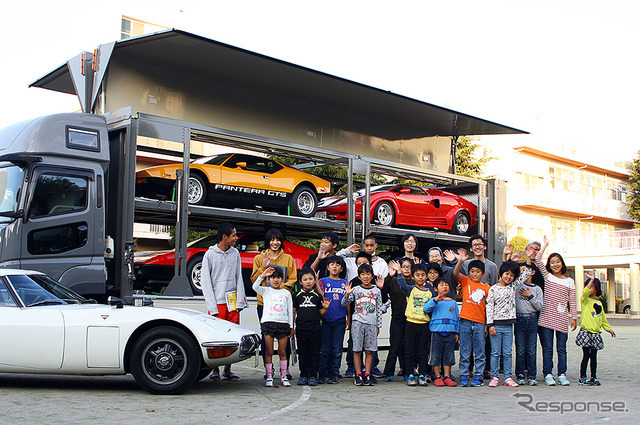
(238, 180)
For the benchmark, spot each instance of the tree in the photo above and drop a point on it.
(519, 243)
(633, 190)
(468, 162)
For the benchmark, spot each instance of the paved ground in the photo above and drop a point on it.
(108, 400)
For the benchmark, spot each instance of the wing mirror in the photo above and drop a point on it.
(241, 164)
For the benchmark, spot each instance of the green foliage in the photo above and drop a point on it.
(308, 243)
(633, 190)
(192, 235)
(468, 162)
(519, 243)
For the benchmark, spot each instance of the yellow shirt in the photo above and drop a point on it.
(592, 317)
(415, 305)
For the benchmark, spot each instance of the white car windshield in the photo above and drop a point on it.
(36, 289)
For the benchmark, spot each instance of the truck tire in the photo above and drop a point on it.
(194, 266)
(165, 360)
(197, 190)
(385, 214)
(461, 223)
(304, 202)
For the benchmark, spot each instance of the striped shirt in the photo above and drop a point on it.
(558, 295)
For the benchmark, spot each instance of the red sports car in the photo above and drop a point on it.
(403, 205)
(156, 271)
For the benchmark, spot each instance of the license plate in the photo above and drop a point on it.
(321, 214)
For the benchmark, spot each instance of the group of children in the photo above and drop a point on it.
(426, 323)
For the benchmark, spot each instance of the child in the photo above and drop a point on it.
(367, 320)
(417, 337)
(444, 333)
(592, 319)
(472, 320)
(277, 320)
(434, 272)
(528, 305)
(559, 292)
(308, 309)
(334, 322)
(501, 315)
(398, 319)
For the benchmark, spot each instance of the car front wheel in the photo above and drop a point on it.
(165, 360)
(304, 202)
(385, 214)
(627, 310)
(461, 223)
(194, 267)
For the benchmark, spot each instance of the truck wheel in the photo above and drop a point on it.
(165, 360)
(461, 223)
(385, 214)
(304, 202)
(194, 266)
(197, 190)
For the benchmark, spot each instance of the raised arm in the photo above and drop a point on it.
(462, 257)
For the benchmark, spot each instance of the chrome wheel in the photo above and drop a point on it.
(461, 223)
(385, 214)
(196, 191)
(304, 202)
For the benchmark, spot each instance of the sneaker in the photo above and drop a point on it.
(549, 380)
(388, 378)
(521, 380)
(439, 382)
(376, 373)
(449, 382)
(368, 381)
(464, 381)
(595, 382)
(313, 382)
(493, 382)
(584, 381)
(509, 382)
(477, 382)
(289, 377)
(303, 380)
(422, 381)
(431, 378)
(486, 374)
(411, 381)
(285, 382)
(533, 382)
(332, 380)
(358, 381)
(268, 382)
(321, 380)
(562, 379)
(350, 373)
(374, 380)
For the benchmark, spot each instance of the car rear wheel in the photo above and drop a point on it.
(204, 372)
(627, 310)
(461, 223)
(385, 214)
(194, 267)
(197, 191)
(304, 202)
(165, 360)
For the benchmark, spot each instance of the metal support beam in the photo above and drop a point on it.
(634, 288)
(351, 207)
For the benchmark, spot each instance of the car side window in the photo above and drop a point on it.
(255, 164)
(58, 194)
(6, 300)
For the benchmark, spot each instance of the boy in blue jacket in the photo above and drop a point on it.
(445, 332)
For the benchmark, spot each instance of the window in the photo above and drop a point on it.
(58, 194)
(253, 163)
(132, 28)
(6, 300)
(11, 178)
(57, 239)
(83, 139)
(563, 179)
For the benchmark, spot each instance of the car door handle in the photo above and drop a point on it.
(265, 177)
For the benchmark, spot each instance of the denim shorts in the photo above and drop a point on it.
(442, 349)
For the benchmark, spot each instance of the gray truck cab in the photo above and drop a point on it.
(52, 198)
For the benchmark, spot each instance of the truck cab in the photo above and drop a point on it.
(52, 192)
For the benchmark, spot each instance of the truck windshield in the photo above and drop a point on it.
(11, 177)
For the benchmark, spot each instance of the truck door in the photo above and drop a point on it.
(56, 233)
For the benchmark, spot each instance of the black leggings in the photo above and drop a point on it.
(589, 353)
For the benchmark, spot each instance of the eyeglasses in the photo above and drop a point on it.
(477, 245)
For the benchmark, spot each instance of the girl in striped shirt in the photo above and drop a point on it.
(559, 300)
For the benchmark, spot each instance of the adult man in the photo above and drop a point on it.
(222, 284)
(318, 261)
(478, 245)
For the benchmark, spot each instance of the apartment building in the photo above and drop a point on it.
(582, 208)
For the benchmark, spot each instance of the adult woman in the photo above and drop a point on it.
(559, 293)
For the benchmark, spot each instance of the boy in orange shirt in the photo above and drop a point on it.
(473, 328)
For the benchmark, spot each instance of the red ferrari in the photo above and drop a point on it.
(157, 270)
(403, 205)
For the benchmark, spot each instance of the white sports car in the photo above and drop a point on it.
(46, 328)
